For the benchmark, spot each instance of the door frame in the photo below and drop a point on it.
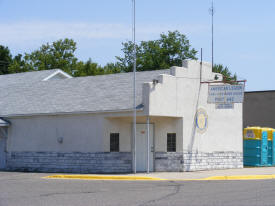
(153, 124)
(3, 134)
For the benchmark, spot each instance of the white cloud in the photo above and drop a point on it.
(44, 30)
(20, 32)
(101, 41)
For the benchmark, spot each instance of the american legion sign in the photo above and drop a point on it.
(224, 96)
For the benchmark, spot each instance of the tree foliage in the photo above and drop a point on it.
(18, 65)
(169, 50)
(227, 75)
(59, 54)
(112, 68)
(5, 59)
(88, 68)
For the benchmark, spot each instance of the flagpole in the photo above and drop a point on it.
(134, 82)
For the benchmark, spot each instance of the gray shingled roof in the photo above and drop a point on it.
(82, 94)
(25, 77)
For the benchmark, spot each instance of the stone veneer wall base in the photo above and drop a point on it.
(119, 162)
(195, 161)
(71, 162)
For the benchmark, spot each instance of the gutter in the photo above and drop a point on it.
(139, 108)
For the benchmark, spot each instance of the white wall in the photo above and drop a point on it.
(123, 126)
(181, 95)
(80, 133)
(164, 125)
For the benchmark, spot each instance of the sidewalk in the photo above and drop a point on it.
(211, 173)
(228, 174)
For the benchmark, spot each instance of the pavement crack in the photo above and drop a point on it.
(177, 188)
(66, 193)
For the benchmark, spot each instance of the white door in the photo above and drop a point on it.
(141, 147)
(2, 149)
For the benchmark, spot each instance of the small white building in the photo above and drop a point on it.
(84, 124)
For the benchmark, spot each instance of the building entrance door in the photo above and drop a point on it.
(2, 148)
(141, 147)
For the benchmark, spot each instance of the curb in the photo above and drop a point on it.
(241, 177)
(141, 178)
(102, 177)
(236, 177)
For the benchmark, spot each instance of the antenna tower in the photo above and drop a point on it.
(212, 11)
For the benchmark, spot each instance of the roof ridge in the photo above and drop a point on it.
(122, 73)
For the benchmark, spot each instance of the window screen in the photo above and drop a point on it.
(114, 142)
(171, 142)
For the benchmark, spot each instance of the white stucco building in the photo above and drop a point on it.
(84, 124)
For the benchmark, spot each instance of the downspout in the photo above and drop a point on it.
(4, 134)
(148, 144)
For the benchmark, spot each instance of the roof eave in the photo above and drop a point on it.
(70, 113)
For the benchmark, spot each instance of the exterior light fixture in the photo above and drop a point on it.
(155, 81)
(60, 140)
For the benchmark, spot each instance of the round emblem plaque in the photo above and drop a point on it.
(201, 120)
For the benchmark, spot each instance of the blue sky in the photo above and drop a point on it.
(244, 30)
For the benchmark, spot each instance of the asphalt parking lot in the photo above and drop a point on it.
(26, 189)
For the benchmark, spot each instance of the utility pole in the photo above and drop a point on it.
(134, 162)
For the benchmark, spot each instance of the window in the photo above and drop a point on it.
(114, 142)
(171, 142)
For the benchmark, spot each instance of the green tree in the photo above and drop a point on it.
(112, 68)
(18, 65)
(5, 60)
(219, 68)
(88, 68)
(59, 54)
(169, 50)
